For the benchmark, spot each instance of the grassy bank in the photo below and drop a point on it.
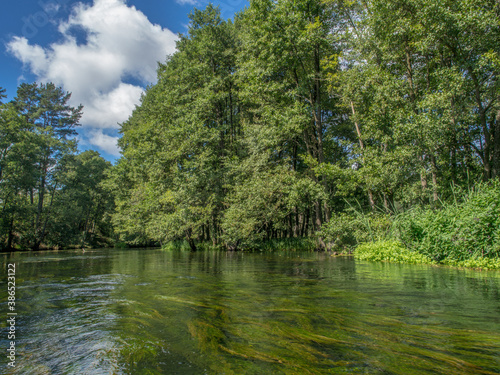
(462, 233)
(394, 251)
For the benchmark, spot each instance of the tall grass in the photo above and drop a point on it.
(463, 232)
(467, 228)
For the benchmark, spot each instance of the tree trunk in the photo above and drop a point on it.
(423, 175)
(318, 221)
(214, 231)
(318, 112)
(41, 196)
(453, 146)
(190, 239)
(296, 224)
(84, 234)
(371, 200)
(434, 179)
(10, 238)
(496, 147)
(386, 203)
(306, 223)
(487, 172)
(362, 147)
(44, 228)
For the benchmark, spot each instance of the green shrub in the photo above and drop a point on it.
(390, 251)
(339, 232)
(479, 263)
(468, 228)
(346, 230)
(176, 245)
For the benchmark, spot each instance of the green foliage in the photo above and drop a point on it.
(390, 251)
(465, 233)
(475, 263)
(345, 230)
(178, 144)
(82, 207)
(275, 125)
(288, 244)
(255, 204)
(48, 195)
(466, 229)
(261, 204)
(342, 231)
(424, 117)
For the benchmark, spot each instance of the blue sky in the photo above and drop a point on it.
(102, 51)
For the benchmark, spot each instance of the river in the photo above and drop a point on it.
(148, 311)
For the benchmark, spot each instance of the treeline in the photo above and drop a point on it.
(50, 196)
(299, 119)
(278, 123)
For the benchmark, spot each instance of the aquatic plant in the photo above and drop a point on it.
(391, 251)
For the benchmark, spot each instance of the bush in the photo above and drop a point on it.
(390, 251)
(466, 229)
(346, 230)
(339, 232)
(176, 245)
(478, 263)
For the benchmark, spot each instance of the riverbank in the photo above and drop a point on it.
(461, 231)
(274, 244)
(395, 252)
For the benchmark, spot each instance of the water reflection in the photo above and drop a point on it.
(157, 312)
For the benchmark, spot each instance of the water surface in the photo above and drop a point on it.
(150, 311)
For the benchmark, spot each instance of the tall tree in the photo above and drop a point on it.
(2, 94)
(292, 116)
(411, 86)
(83, 205)
(190, 119)
(45, 108)
(18, 173)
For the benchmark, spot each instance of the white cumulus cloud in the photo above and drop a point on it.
(107, 71)
(115, 106)
(105, 142)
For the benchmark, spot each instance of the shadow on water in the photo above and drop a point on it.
(158, 312)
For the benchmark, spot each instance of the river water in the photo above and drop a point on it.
(148, 311)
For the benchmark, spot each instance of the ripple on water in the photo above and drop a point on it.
(141, 311)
